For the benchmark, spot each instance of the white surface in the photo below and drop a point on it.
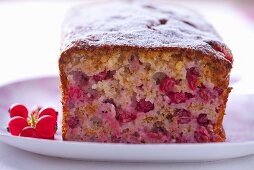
(29, 46)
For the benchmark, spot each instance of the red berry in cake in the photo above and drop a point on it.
(227, 55)
(183, 116)
(18, 110)
(222, 49)
(202, 135)
(29, 132)
(192, 77)
(202, 119)
(179, 97)
(101, 76)
(154, 135)
(73, 122)
(125, 117)
(48, 111)
(46, 127)
(144, 106)
(176, 97)
(205, 94)
(167, 85)
(75, 93)
(16, 125)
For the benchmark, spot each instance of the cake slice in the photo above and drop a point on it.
(142, 73)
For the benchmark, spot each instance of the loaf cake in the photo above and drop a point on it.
(142, 73)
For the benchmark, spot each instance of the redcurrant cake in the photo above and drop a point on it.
(142, 73)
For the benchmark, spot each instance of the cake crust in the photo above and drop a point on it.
(130, 29)
(126, 25)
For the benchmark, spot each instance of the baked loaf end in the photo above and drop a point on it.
(140, 73)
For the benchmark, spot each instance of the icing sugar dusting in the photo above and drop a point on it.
(139, 25)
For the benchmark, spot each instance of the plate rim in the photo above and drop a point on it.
(134, 152)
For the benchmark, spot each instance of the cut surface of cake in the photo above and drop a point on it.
(142, 73)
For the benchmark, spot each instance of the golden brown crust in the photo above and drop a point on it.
(63, 89)
(218, 126)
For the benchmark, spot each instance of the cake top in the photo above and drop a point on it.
(129, 24)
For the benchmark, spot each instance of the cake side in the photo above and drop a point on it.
(143, 95)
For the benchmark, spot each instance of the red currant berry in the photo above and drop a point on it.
(167, 85)
(48, 111)
(144, 106)
(18, 110)
(29, 132)
(192, 76)
(16, 125)
(126, 117)
(46, 126)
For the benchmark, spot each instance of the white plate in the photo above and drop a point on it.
(239, 125)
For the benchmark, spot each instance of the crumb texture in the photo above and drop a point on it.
(142, 98)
